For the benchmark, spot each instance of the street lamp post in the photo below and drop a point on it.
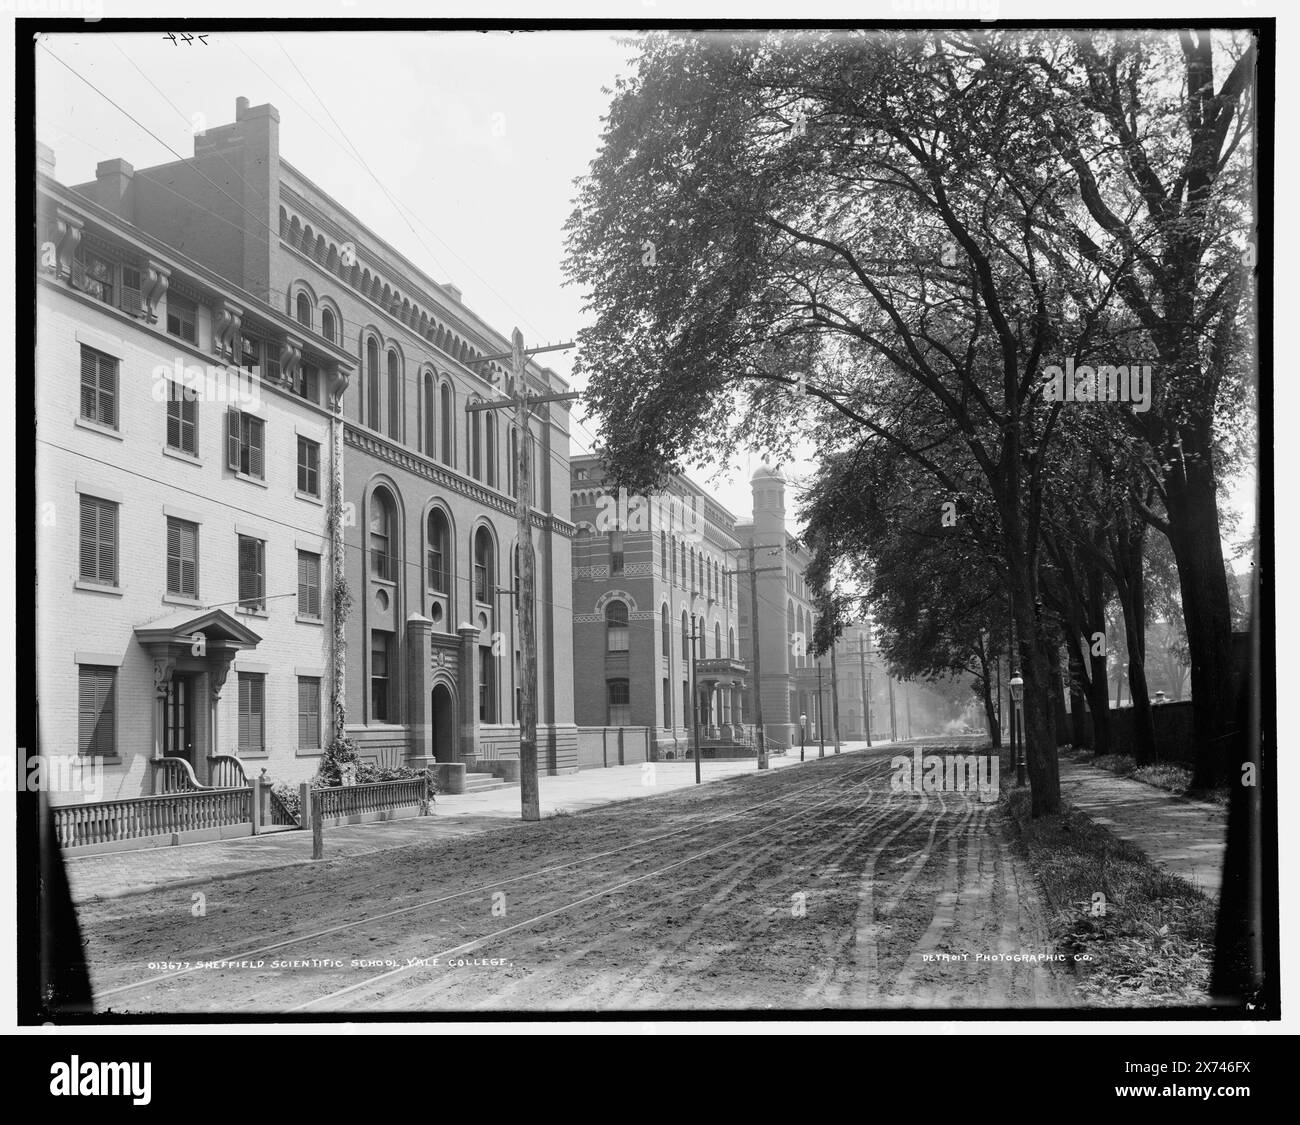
(695, 700)
(1017, 728)
(803, 724)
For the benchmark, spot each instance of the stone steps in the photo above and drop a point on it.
(484, 783)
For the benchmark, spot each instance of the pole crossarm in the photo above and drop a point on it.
(524, 352)
(527, 400)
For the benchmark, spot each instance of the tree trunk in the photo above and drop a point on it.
(1128, 566)
(1057, 687)
(1194, 536)
(1039, 724)
(1078, 728)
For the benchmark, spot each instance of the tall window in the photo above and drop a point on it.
(308, 712)
(308, 385)
(98, 541)
(182, 418)
(182, 558)
(372, 383)
(620, 703)
(717, 640)
(380, 656)
(395, 396)
(252, 573)
(427, 436)
(487, 686)
(616, 627)
(686, 637)
(512, 471)
(252, 712)
(327, 328)
(98, 387)
(308, 466)
(245, 438)
(444, 406)
(731, 643)
(665, 631)
(439, 552)
(304, 310)
(663, 552)
(483, 568)
(182, 317)
(474, 432)
(383, 521)
(668, 704)
(308, 584)
(96, 711)
(616, 552)
(490, 449)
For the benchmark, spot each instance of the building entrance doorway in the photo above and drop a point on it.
(178, 718)
(443, 725)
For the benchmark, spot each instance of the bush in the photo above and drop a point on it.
(288, 798)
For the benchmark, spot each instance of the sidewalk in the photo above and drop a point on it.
(124, 873)
(1184, 836)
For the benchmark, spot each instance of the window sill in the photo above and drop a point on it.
(308, 753)
(304, 619)
(311, 499)
(180, 599)
(249, 755)
(251, 480)
(97, 428)
(181, 455)
(97, 588)
(242, 612)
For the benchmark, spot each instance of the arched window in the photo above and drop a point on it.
(372, 383)
(484, 571)
(383, 535)
(427, 437)
(686, 637)
(490, 448)
(802, 638)
(665, 632)
(663, 552)
(394, 396)
(444, 405)
(474, 432)
(694, 582)
(620, 703)
(304, 310)
(513, 470)
(789, 628)
(327, 328)
(717, 640)
(616, 627)
(438, 575)
(731, 643)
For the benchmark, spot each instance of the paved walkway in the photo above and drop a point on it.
(1186, 837)
(124, 873)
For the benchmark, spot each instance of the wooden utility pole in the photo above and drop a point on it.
(835, 700)
(893, 715)
(754, 571)
(866, 689)
(523, 402)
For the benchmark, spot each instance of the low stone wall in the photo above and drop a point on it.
(601, 747)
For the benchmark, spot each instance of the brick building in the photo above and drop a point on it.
(426, 512)
(648, 574)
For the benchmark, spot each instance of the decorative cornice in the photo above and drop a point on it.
(441, 475)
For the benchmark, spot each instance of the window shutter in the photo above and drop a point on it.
(89, 540)
(244, 692)
(89, 382)
(85, 710)
(255, 429)
(173, 418)
(174, 558)
(189, 425)
(108, 390)
(232, 438)
(107, 542)
(130, 296)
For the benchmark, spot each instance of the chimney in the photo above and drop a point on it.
(453, 290)
(241, 108)
(113, 187)
(44, 159)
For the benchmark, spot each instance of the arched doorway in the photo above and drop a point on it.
(443, 725)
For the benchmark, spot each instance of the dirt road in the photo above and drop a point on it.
(808, 888)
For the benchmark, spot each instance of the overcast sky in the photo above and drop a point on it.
(478, 136)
